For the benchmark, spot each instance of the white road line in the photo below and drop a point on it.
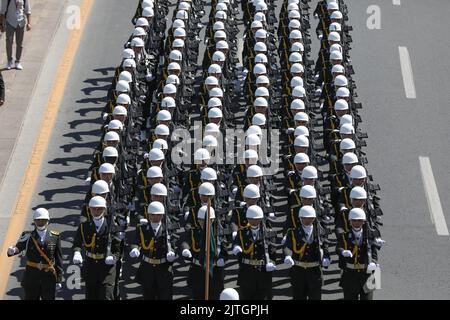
(434, 203)
(408, 79)
(396, 2)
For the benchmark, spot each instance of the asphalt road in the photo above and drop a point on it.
(415, 259)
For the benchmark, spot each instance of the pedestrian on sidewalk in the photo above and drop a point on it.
(2, 90)
(15, 16)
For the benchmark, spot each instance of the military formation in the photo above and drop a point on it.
(163, 202)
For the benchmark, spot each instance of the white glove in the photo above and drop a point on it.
(110, 260)
(143, 221)
(270, 267)
(121, 235)
(58, 286)
(272, 216)
(186, 215)
(326, 262)
(77, 258)
(234, 190)
(237, 250)
(380, 242)
(105, 115)
(234, 235)
(318, 92)
(371, 267)
(290, 130)
(135, 253)
(11, 251)
(289, 261)
(131, 206)
(347, 254)
(149, 77)
(283, 240)
(170, 256)
(87, 182)
(220, 262)
(186, 253)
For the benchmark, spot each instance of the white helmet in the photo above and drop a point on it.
(338, 68)
(297, 68)
(294, 23)
(115, 125)
(262, 80)
(251, 191)
(260, 102)
(107, 168)
(335, 26)
(210, 141)
(214, 103)
(259, 16)
(254, 171)
(173, 79)
(301, 116)
(261, 58)
(220, 34)
(301, 158)
(139, 32)
(358, 172)
(208, 174)
(294, 14)
(250, 154)
(301, 141)
(169, 89)
(297, 104)
(129, 63)
(221, 15)
(215, 113)
(222, 44)
(336, 55)
(97, 202)
(212, 129)
(178, 43)
(253, 129)
(252, 140)
(336, 47)
(349, 158)
(156, 207)
(168, 102)
(155, 155)
(110, 152)
(336, 15)
(154, 172)
(298, 92)
(111, 136)
(309, 172)
(160, 144)
(218, 26)
(334, 36)
(297, 47)
(260, 47)
(295, 57)
(259, 119)
(307, 212)
(158, 189)
(296, 81)
(262, 92)
(358, 193)
(128, 54)
(174, 66)
(125, 76)
(182, 15)
(201, 214)
(229, 294)
(122, 86)
(295, 34)
(164, 115)
(259, 68)
(341, 81)
(346, 118)
(201, 154)
(142, 22)
(207, 189)
(346, 128)
(162, 130)
(341, 104)
(214, 68)
(176, 55)
(261, 33)
(256, 24)
(254, 212)
(211, 81)
(179, 32)
(308, 192)
(137, 42)
(100, 187)
(123, 99)
(357, 214)
(301, 131)
(342, 93)
(347, 144)
(178, 23)
(41, 214)
(216, 93)
(148, 12)
(120, 111)
(332, 5)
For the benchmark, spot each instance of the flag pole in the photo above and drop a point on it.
(208, 248)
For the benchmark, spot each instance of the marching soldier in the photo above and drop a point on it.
(102, 249)
(306, 251)
(255, 247)
(357, 257)
(194, 248)
(42, 246)
(155, 273)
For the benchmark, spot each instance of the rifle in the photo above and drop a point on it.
(208, 248)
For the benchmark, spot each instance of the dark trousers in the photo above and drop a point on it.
(306, 283)
(255, 283)
(352, 282)
(100, 279)
(10, 33)
(39, 284)
(156, 281)
(196, 281)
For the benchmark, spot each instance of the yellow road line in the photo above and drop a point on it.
(21, 210)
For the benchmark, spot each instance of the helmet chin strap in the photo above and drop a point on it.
(99, 217)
